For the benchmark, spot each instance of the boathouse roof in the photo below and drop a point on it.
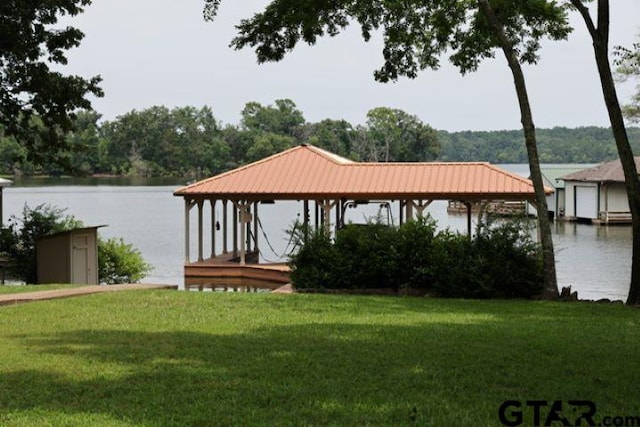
(604, 172)
(309, 172)
(554, 175)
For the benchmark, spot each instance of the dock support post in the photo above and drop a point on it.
(188, 204)
(243, 207)
(409, 209)
(468, 205)
(255, 228)
(186, 231)
(213, 228)
(225, 228)
(243, 235)
(200, 233)
(235, 230)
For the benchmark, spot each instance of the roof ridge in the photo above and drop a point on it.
(414, 163)
(335, 158)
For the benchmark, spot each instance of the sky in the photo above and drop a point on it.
(162, 52)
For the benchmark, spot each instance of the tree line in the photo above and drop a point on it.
(191, 142)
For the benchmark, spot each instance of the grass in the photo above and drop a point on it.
(162, 358)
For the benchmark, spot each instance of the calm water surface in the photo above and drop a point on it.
(595, 260)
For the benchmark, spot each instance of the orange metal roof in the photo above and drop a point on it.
(308, 172)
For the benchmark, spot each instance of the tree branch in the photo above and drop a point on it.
(586, 16)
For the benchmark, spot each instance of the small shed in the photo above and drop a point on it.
(68, 257)
(598, 194)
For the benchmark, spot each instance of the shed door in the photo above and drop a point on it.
(586, 202)
(80, 259)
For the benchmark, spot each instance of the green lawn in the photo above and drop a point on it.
(167, 358)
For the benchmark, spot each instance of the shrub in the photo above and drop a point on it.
(501, 261)
(119, 262)
(366, 255)
(316, 264)
(414, 245)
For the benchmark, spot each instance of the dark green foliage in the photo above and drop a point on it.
(190, 142)
(317, 263)
(119, 262)
(367, 256)
(416, 34)
(161, 142)
(501, 261)
(29, 44)
(414, 247)
(557, 145)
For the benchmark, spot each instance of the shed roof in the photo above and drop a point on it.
(604, 172)
(308, 172)
(71, 231)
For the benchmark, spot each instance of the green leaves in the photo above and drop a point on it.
(120, 262)
(416, 33)
(28, 45)
(501, 261)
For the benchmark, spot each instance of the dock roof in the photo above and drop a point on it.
(308, 172)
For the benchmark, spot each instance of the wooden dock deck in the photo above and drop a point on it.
(223, 272)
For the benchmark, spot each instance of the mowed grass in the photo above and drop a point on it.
(167, 358)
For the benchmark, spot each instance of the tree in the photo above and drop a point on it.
(284, 118)
(416, 34)
(508, 46)
(272, 128)
(336, 136)
(401, 137)
(12, 156)
(599, 32)
(157, 141)
(87, 149)
(29, 44)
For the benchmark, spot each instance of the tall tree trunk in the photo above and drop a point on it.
(550, 281)
(600, 38)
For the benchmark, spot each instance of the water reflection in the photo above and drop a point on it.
(595, 260)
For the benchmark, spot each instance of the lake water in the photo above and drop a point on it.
(595, 260)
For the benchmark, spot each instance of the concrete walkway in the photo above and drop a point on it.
(20, 297)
